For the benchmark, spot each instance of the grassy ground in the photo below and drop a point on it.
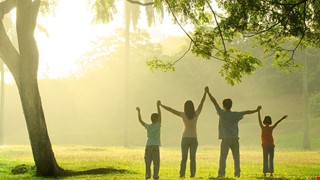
(288, 164)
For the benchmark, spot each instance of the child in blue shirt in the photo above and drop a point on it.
(152, 151)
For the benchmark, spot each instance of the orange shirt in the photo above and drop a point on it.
(266, 136)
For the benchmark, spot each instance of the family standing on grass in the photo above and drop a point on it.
(228, 133)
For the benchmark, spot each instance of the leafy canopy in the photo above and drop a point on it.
(280, 27)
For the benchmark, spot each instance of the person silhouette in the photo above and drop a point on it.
(189, 137)
(229, 133)
(152, 151)
(268, 142)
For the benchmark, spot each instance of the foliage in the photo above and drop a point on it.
(104, 10)
(48, 6)
(156, 64)
(279, 27)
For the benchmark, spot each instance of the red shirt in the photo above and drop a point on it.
(266, 136)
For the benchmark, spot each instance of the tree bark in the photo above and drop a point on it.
(24, 67)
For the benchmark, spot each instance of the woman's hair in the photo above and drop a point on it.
(189, 109)
(267, 120)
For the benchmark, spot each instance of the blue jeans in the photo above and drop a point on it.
(268, 155)
(152, 154)
(186, 144)
(233, 144)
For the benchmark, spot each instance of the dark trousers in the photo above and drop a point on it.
(268, 155)
(227, 144)
(152, 154)
(186, 144)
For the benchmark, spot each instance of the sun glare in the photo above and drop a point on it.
(64, 37)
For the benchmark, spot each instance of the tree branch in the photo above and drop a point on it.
(141, 3)
(220, 32)
(274, 25)
(9, 54)
(290, 4)
(176, 20)
(183, 54)
(6, 7)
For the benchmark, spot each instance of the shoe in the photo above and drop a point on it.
(192, 176)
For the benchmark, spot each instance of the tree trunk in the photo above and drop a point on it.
(24, 67)
(306, 141)
(1, 102)
(40, 143)
(126, 72)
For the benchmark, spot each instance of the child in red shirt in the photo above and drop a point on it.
(268, 142)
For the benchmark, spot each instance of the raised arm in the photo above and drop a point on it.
(173, 111)
(213, 100)
(276, 124)
(159, 111)
(251, 111)
(139, 117)
(199, 109)
(259, 118)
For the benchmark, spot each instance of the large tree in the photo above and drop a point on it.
(23, 65)
(280, 27)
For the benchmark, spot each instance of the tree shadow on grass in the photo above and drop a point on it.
(97, 171)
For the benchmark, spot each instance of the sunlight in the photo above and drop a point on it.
(70, 33)
(63, 38)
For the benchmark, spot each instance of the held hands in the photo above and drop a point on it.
(259, 108)
(206, 89)
(158, 103)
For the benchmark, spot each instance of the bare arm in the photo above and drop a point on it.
(173, 111)
(159, 111)
(213, 100)
(139, 117)
(259, 118)
(251, 111)
(201, 102)
(276, 124)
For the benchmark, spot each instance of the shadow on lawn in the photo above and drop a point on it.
(23, 168)
(96, 171)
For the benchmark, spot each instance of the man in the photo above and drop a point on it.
(229, 133)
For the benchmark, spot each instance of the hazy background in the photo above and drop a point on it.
(89, 109)
(86, 106)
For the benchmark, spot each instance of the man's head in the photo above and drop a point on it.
(154, 117)
(227, 103)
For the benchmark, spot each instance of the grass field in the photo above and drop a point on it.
(288, 164)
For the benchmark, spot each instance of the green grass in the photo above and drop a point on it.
(288, 164)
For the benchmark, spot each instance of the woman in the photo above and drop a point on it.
(189, 137)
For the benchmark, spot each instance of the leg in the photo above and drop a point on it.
(265, 160)
(271, 157)
(236, 156)
(224, 148)
(148, 159)
(193, 151)
(184, 152)
(156, 162)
